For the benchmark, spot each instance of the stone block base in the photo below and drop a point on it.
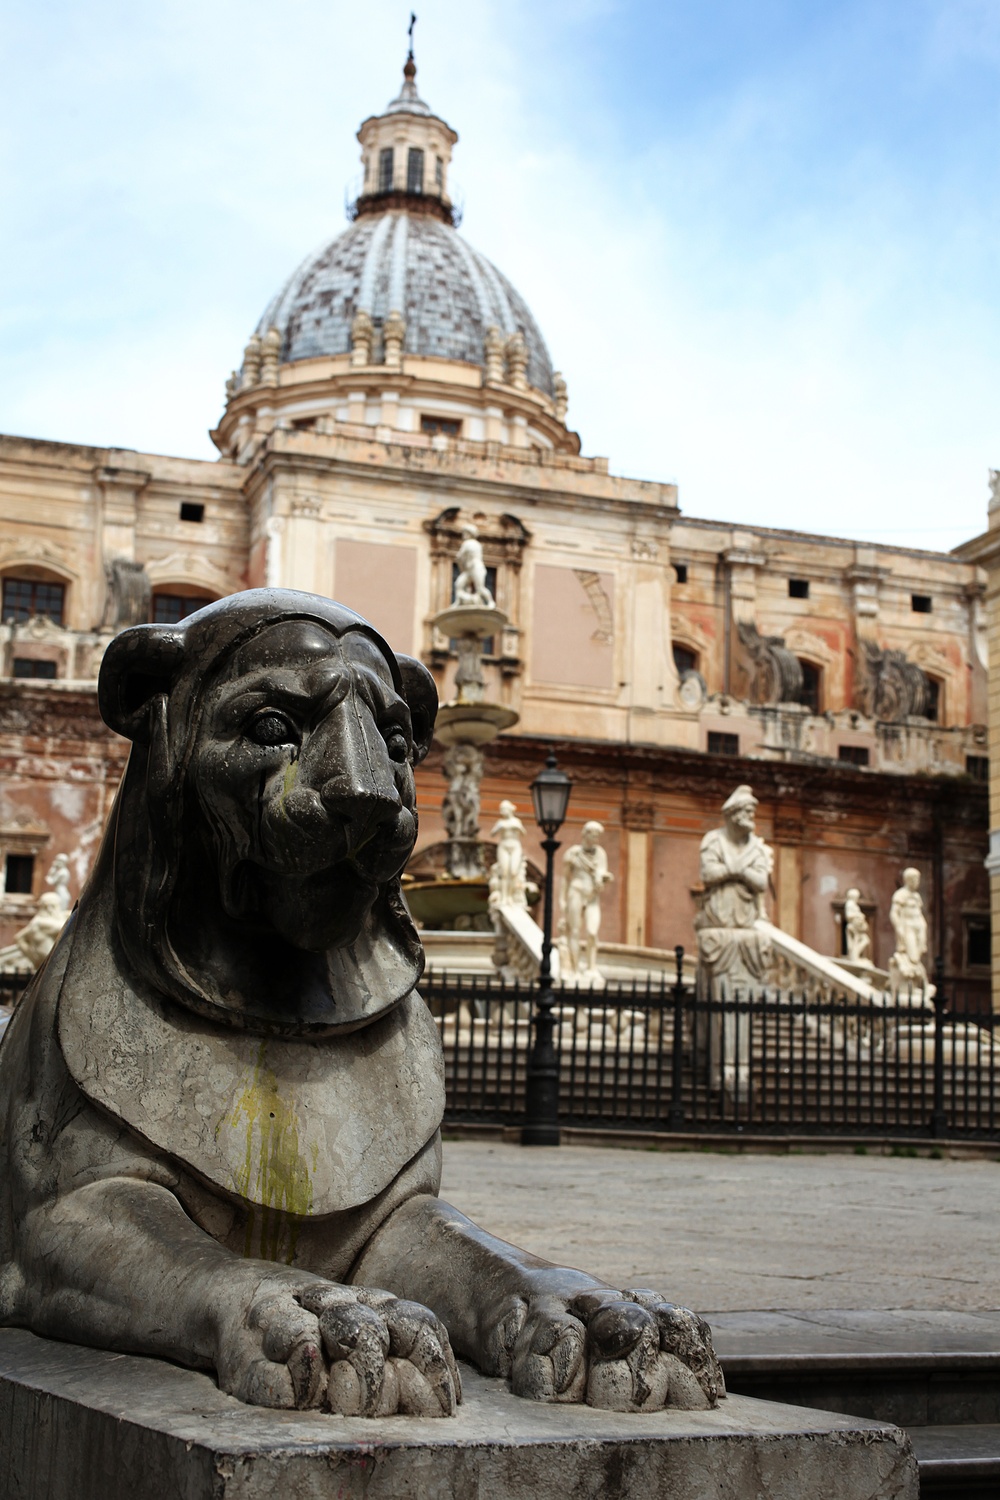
(83, 1424)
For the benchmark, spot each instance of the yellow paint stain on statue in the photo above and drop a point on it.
(274, 1173)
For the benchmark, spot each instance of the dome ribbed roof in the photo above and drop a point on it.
(447, 292)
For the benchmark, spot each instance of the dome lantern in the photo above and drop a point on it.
(406, 153)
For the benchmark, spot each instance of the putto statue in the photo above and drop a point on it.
(509, 884)
(33, 944)
(470, 584)
(220, 1102)
(906, 913)
(859, 942)
(585, 873)
(58, 879)
(735, 867)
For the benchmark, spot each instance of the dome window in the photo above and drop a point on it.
(441, 426)
(385, 168)
(439, 173)
(415, 170)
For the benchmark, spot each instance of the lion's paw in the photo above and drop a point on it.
(623, 1351)
(355, 1351)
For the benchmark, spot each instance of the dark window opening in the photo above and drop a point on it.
(978, 942)
(28, 666)
(19, 874)
(192, 512)
(853, 755)
(385, 170)
(932, 704)
(439, 173)
(921, 604)
(414, 170)
(25, 597)
(723, 744)
(809, 694)
(685, 660)
(448, 426)
(681, 572)
(170, 609)
(798, 588)
(978, 767)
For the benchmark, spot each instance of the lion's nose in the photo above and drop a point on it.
(361, 806)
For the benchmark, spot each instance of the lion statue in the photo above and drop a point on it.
(221, 1098)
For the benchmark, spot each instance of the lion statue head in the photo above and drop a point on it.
(267, 811)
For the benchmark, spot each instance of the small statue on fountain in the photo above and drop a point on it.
(859, 942)
(906, 913)
(585, 873)
(470, 584)
(509, 884)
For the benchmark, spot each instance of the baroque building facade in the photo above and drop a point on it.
(398, 388)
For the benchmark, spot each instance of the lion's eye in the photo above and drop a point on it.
(272, 728)
(395, 743)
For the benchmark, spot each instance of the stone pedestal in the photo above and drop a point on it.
(83, 1424)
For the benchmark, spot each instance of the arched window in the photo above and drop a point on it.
(685, 660)
(810, 694)
(934, 702)
(30, 592)
(173, 602)
(385, 170)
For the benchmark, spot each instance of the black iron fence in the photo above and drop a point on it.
(659, 1056)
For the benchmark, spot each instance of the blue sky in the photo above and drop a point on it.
(761, 236)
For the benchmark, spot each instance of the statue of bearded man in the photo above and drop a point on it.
(735, 867)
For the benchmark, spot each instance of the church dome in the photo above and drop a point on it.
(410, 262)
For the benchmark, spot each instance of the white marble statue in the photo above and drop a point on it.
(585, 873)
(509, 875)
(33, 944)
(58, 879)
(906, 913)
(470, 585)
(733, 953)
(859, 942)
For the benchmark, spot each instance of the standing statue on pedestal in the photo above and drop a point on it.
(585, 873)
(58, 879)
(733, 954)
(509, 885)
(906, 913)
(463, 766)
(470, 584)
(859, 942)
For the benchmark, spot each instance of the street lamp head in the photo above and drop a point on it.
(550, 793)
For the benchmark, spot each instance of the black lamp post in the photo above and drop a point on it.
(550, 793)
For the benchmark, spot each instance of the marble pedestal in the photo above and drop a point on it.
(83, 1424)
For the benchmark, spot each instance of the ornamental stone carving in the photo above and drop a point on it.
(393, 334)
(775, 673)
(220, 1102)
(251, 364)
(33, 944)
(362, 339)
(889, 687)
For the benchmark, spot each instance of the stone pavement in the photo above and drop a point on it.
(722, 1232)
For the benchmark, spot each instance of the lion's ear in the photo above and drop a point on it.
(421, 696)
(138, 665)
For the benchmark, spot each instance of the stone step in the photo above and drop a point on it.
(958, 1462)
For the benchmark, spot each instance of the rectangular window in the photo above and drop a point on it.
(439, 173)
(27, 666)
(978, 942)
(170, 609)
(798, 588)
(385, 170)
(723, 744)
(445, 425)
(681, 572)
(191, 511)
(978, 767)
(921, 604)
(19, 874)
(25, 597)
(414, 170)
(932, 706)
(853, 755)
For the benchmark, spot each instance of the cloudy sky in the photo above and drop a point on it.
(760, 236)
